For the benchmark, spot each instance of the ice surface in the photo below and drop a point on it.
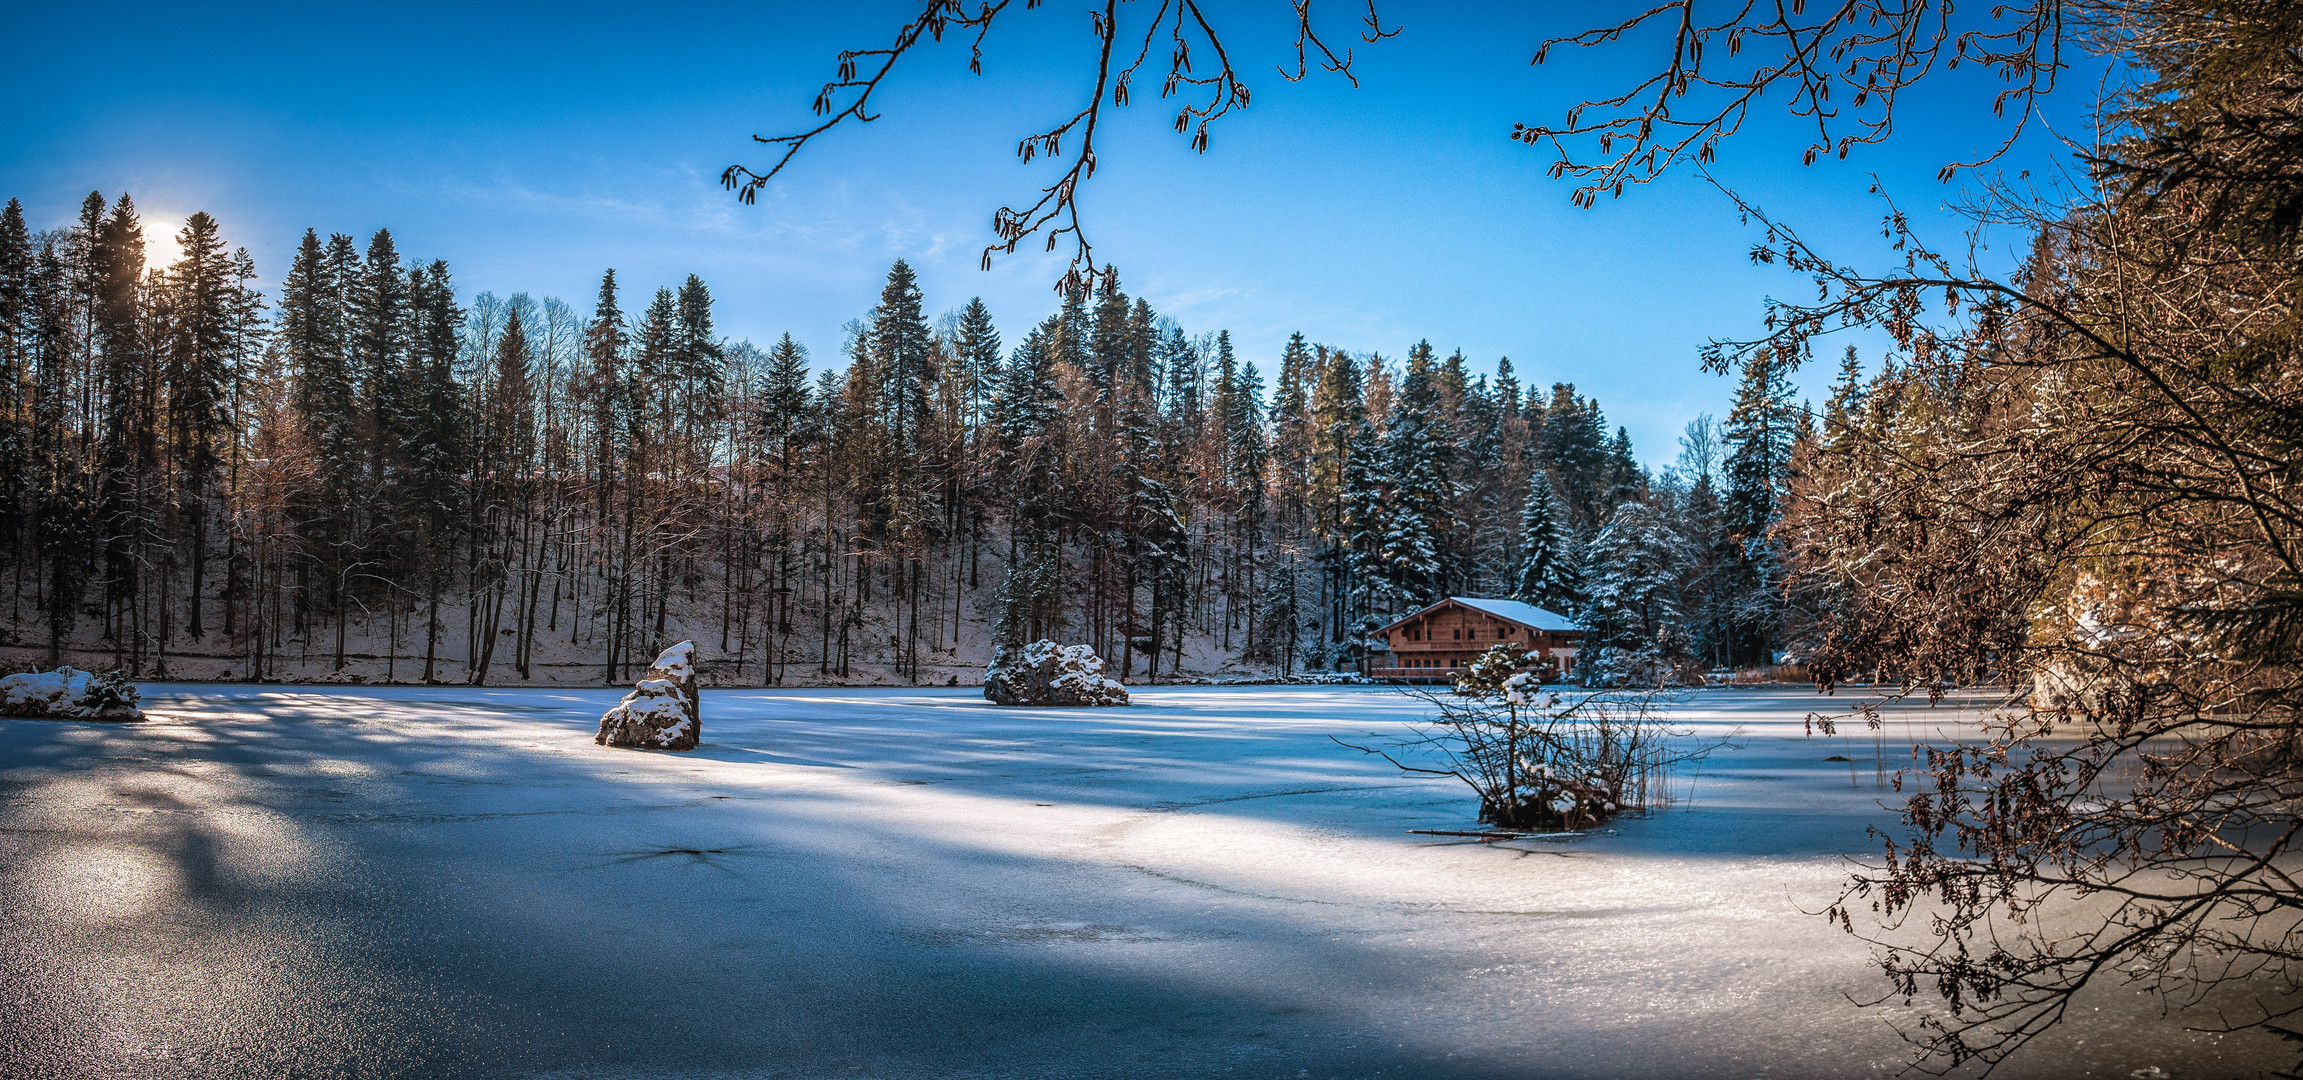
(861, 883)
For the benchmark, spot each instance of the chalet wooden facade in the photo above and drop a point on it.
(1437, 642)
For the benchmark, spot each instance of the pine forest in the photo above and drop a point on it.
(365, 476)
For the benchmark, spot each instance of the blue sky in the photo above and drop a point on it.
(533, 147)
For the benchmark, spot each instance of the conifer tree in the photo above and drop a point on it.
(511, 422)
(1572, 446)
(693, 372)
(126, 438)
(378, 346)
(1420, 515)
(1183, 371)
(19, 478)
(1291, 431)
(199, 351)
(783, 400)
(978, 348)
(1632, 613)
(433, 444)
(1545, 568)
(1759, 433)
(904, 363)
(62, 533)
(1841, 412)
(602, 388)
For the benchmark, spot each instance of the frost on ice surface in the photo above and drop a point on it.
(1202, 884)
(1050, 674)
(69, 693)
(663, 711)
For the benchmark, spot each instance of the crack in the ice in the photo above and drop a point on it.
(1213, 887)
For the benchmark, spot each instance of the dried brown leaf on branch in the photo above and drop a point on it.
(1677, 113)
(1181, 28)
(2079, 484)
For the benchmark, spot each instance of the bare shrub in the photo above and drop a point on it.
(1547, 759)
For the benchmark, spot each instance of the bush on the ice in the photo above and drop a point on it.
(1045, 673)
(69, 693)
(1548, 759)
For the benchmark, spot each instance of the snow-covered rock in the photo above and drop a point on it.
(69, 693)
(663, 711)
(1046, 673)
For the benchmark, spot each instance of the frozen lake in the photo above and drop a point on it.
(878, 883)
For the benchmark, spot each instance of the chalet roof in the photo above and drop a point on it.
(1523, 613)
(1516, 611)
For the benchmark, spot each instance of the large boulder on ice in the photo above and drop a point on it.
(69, 693)
(663, 711)
(1045, 673)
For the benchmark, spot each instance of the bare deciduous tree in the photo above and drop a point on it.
(1179, 30)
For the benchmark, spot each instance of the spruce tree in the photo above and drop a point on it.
(1291, 431)
(601, 388)
(903, 359)
(1760, 432)
(1182, 371)
(512, 402)
(1842, 412)
(1112, 353)
(127, 440)
(378, 346)
(18, 321)
(649, 391)
(978, 347)
(1633, 614)
(62, 526)
(1572, 446)
(1545, 567)
(783, 398)
(432, 449)
(695, 372)
(199, 350)
(1420, 512)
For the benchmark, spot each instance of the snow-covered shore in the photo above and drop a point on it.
(839, 882)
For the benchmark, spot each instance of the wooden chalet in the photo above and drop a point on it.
(1439, 641)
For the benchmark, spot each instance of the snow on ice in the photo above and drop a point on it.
(69, 693)
(426, 881)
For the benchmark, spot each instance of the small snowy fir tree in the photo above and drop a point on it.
(1544, 564)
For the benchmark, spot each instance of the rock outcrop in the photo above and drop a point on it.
(1045, 673)
(69, 693)
(663, 711)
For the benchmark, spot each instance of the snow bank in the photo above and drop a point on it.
(1050, 674)
(69, 693)
(663, 711)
